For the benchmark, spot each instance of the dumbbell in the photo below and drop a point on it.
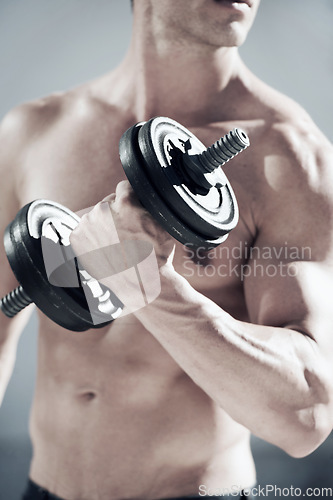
(176, 179)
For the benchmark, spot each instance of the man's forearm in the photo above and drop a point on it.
(264, 377)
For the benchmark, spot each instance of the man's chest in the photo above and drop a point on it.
(77, 176)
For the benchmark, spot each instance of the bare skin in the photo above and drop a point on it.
(164, 400)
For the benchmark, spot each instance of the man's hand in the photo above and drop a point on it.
(117, 219)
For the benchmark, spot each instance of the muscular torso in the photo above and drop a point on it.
(113, 415)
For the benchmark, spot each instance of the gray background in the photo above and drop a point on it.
(50, 45)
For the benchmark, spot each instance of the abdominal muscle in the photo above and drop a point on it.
(114, 417)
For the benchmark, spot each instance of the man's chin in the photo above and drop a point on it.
(233, 38)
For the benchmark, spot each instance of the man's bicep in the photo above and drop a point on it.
(286, 287)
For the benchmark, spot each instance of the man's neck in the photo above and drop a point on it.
(188, 83)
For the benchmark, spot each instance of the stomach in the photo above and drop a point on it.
(115, 417)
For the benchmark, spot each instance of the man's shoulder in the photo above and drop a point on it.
(29, 117)
(289, 161)
(25, 124)
(291, 174)
(285, 122)
(40, 115)
(286, 132)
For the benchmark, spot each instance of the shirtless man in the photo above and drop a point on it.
(163, 406)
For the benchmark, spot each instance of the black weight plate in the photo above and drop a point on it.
(65, 306)
(212, 215)
(134, 167)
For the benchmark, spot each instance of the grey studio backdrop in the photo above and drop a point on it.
(51, 45)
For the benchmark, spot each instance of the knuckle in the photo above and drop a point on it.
(110, 198)
(98, 208)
